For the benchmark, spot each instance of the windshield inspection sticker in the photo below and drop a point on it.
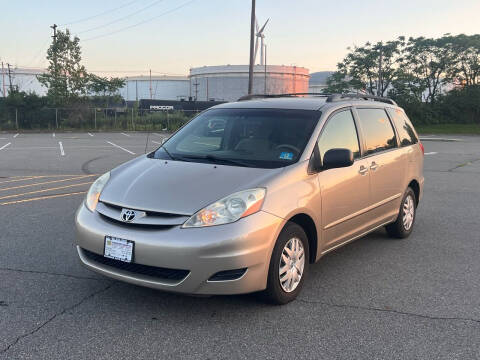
(286, 155)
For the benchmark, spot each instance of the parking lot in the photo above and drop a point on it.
(417, 298)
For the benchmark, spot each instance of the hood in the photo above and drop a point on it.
(177, 187)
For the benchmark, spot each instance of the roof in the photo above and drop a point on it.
(308, 102)
(304, 103)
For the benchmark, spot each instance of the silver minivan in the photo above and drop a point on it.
(247, 195)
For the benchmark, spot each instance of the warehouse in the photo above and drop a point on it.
(156, 87)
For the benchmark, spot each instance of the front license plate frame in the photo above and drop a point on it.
(118, 249)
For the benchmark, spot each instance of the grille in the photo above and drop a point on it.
(228, 275)
(152, 271)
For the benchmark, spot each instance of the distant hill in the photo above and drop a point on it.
(319, 78)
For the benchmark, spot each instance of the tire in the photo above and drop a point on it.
(403, 226)
(278, 292)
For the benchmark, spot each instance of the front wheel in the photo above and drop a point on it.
(403, 226)
(288, 265)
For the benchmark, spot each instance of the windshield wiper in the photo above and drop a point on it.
(168, 153)
(217, 160)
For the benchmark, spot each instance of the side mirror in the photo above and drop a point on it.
(337, 158)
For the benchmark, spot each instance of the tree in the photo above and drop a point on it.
(370, 68)
(66, 78)
(428, 60)
(466, 53)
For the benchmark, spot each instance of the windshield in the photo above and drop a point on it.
(262, 138)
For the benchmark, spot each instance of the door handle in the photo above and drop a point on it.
(373, 166)
(363, 170)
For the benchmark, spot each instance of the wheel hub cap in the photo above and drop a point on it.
(292, 263)
(408, 212)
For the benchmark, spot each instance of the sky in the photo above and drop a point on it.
(179, 34)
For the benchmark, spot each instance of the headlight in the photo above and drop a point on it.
(228, 209)
(94, 192)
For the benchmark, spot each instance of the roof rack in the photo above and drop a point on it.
(330, 97)
(339, 97)
(264, 96)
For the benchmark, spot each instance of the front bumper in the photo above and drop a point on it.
(247, 243)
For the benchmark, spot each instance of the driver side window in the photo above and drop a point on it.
(339, 133)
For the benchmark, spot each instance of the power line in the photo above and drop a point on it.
(122, 18)
(141, 22)
(99, 14)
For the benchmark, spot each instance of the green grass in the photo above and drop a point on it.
(466, 129)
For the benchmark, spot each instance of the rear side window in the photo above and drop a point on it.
(404, 127)
(377, 130)
(339, 133)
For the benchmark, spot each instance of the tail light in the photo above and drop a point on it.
(421, 147)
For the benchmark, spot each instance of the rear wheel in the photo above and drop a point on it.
(403, 226)
(288, 265)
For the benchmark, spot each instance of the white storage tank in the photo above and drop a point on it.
(230, 82)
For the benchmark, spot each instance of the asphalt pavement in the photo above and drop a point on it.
(376, 298)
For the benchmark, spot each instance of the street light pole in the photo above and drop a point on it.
(252, 36)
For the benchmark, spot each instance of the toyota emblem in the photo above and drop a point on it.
(128, 215)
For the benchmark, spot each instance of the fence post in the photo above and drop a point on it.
(168, 123)
(95, 112)
(16, 117)
(115, 117)
(56, 117)
(133, 124)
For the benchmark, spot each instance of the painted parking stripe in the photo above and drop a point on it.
(46, 182)
(125, 134)
(53, 135)
(431, 153)
(118, 146)
(34, 177)
(4, 146)
(90, 134)
(61, 148)
(156, 142)
(42, 198)
(438, 139)
(44, 190)
(14, 136)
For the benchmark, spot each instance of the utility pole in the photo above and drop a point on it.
(196, 88)
(207, 88)
(55, 75)
(3, 81)
(252, 36)
(10, 78)
(265, 90)
(151, 97)
(380, 78)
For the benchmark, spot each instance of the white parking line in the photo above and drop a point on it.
(156, 142)
(14, 136)
(4, 146)
(431, 153)
(438, 139)
(53, 135)
(61, 148)
(125, 134)
(118, 146)
(90, 134)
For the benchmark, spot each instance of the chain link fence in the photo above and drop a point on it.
(94, 119)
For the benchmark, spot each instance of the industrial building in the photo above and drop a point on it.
(21, 79)
(207, 83)
(230, 82)
(156, 87)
